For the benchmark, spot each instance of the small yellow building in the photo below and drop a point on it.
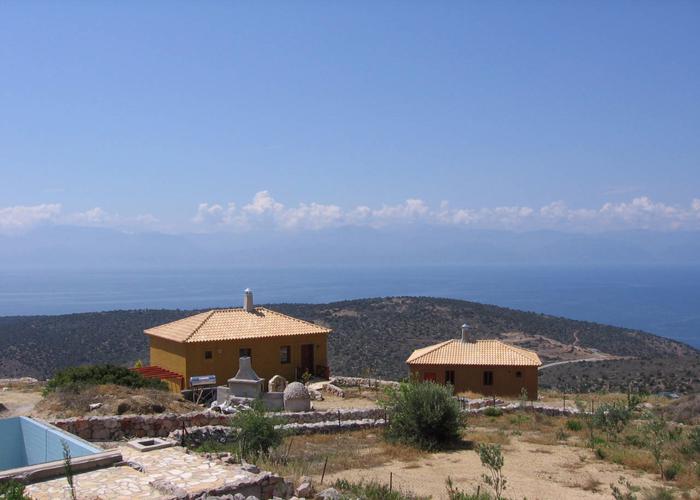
(488, 367)
(212, 342)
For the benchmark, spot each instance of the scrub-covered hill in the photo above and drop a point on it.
(370, 335)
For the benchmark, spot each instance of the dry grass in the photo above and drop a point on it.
(487, 437)
(115, 399)
(344, 451)
(591, 484)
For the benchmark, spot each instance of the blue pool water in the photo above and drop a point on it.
(28, 442)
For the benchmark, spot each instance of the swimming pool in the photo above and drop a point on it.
(32, 446)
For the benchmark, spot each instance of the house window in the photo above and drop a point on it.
(518, 374)
(450, 377)
(245, 352)
(488, 378)
(207, 354)
(285, 354)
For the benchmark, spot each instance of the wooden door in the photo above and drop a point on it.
(307, 358)
(430, 376)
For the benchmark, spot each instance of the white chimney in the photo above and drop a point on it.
(465, 332)
(248, 300)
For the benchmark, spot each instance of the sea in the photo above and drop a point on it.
(660, 300)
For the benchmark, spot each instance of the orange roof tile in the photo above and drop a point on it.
(481, 352)
(233, 324)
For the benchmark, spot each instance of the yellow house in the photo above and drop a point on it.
(212, 342)
(489, 367)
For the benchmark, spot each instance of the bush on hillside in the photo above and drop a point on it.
(423, 414)
(77, 376)
(612, 418)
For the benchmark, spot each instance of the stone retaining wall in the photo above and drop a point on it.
(362, 382)
(224, 433)
(545, 410)
(117, 427)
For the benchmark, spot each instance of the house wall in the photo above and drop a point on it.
(189, 359)
(171, 356)
(471, 378)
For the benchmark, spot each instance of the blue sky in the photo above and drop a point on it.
(180, 116)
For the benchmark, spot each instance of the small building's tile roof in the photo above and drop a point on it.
(481, 352)
(234, 324)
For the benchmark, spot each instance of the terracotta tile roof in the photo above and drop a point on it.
(232, 324)
(481, 352)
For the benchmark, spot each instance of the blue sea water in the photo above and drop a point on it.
(661, 300)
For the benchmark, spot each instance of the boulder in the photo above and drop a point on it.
(329, 494)
(305, 488)
(277, 384)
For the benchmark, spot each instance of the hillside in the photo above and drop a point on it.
(370, 335)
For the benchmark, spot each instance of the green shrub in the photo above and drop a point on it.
(693, 445)
(12, 490)
(423, 414)
(256, 434)
(612, 418)
(454, 493)
(671, 471)
(493, 411)
(574, 425)
(601, 453)
(77, 376)
(371, 490)
(492, 459)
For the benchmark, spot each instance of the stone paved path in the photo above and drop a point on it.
(190, 472)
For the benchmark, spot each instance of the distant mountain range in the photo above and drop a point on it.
(61, 247)
(371, 336)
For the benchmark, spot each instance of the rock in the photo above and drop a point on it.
(239, 496)
(277, 384)
(168, 488)
(123, 407)
(94, 406)
(305, 488)
(251, 497)
(2, 408)
(157, 408)
(252, 468)
(329, 494)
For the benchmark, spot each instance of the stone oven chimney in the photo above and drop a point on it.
(465, 332)
(248, 300)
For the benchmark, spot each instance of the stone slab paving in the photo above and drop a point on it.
(166, 467)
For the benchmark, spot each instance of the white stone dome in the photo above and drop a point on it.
(296, 391)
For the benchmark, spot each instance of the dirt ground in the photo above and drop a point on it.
(18, 401)
(331, 402)
(115, 400)
(533, 471)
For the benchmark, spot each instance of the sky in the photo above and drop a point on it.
(221, 116)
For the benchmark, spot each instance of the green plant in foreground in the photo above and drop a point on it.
(256, 433)
(657, 436)
(612, 418)
(12, 490)
(629, 490)
(574, 425)
(423, 414)
(371, 490)
(493, 411)
(492, 458)
(68, 468)
(454, 493)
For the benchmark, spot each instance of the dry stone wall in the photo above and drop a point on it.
(117, 427)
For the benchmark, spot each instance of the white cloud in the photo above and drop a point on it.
(21, 217)
(639, 213)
